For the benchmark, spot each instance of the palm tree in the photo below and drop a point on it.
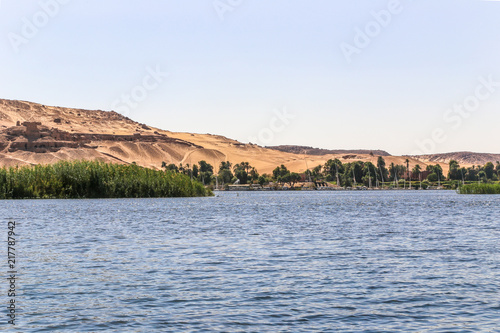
(381, 166)
(416, 170)
(392, 170)
(407, 161)
(246, 165)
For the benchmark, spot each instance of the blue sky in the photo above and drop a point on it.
(234, 66)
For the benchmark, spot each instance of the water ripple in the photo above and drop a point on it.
(418, 261)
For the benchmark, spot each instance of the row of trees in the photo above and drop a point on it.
(484, 173)
(242, 172)
(346, 174)
(343, 174)
(369, 174)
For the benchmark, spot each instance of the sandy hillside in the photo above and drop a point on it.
(71, 134)
(464, 158)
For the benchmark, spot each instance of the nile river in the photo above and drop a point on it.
(395, 261)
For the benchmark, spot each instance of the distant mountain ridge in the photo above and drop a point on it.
(463, 157)
(320, 151)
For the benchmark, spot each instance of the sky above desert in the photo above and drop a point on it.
(405, 76)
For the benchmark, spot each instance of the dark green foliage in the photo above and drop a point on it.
(263, 180)
(205, 167)
(437, 170)
(489, 169)
(384, 173)
(433, 177)
(397, 172)
(86, 179)
(171, 167)
(206, 172)
(225, 166)
(455, 173)
(353, 172)
(370, 174)
(280, 172)
(480, 189)
(245, 172)
(195, 171)
(241, 175)
(225, 176)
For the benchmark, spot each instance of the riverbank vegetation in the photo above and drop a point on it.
(347, 175)
(480, 189)
(87, 179)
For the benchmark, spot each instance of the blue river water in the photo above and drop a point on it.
(363, 261)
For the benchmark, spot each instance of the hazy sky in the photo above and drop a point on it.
(404, 76)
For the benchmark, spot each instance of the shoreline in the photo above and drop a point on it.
(327, 189)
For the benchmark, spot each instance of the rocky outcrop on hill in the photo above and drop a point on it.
(464, 158)
(34, 137)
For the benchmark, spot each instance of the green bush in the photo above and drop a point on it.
(433, 177)
(87, 179)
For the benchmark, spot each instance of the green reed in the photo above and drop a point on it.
(90, 179)
(479, 189)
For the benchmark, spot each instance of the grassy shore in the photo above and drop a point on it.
(87, 179)
(480, 189)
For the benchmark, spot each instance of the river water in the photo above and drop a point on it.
(414, 261)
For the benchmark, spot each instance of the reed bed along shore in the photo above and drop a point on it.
(479, 189)
(91, 179)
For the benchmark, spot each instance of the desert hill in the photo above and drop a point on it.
(463, 158)
(32, 133)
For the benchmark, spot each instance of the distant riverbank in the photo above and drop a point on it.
(312, 187)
